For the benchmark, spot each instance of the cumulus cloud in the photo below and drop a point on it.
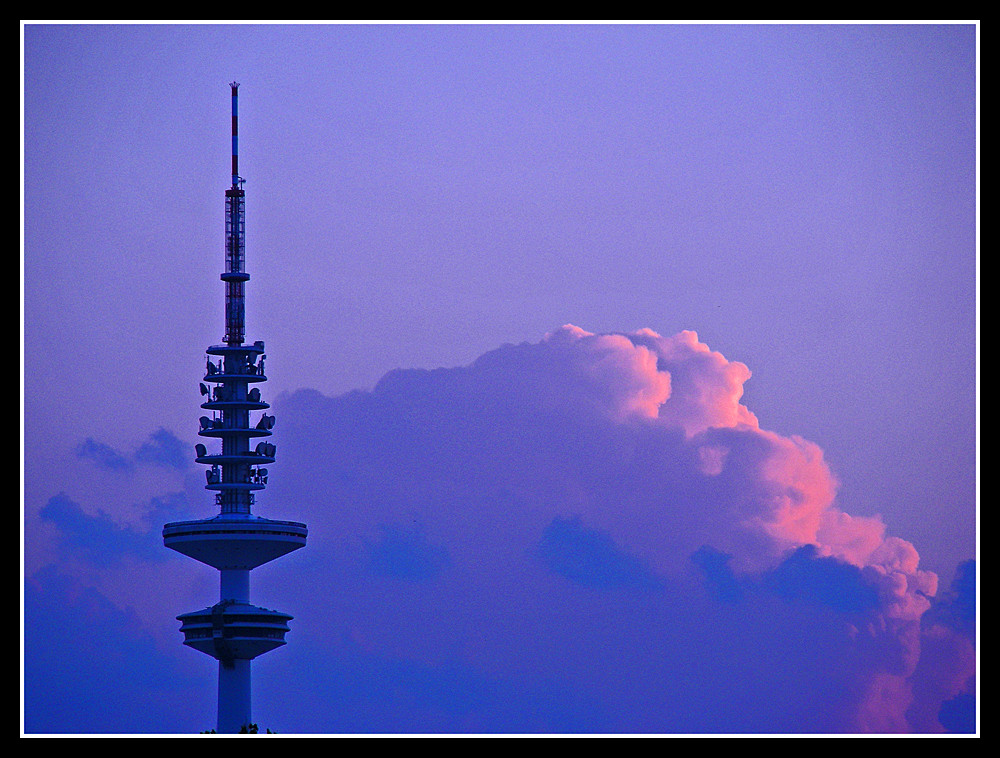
(608, 506)
(587, 533)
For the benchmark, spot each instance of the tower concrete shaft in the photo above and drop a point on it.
(235, 541)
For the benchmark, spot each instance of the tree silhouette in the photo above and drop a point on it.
(245, 729)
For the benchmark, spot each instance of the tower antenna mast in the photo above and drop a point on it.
(235, 541)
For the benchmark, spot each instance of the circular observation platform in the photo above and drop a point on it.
(229, 631)
(248, 486)
(229, 431)
(223, 377)
(233, 541)
(250, 458)
(257, 348)
(221, 405)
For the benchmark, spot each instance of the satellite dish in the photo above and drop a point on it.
(262, 424)
(270, 422)
(204, 388)
(206, 422)
(262, 472)
(200, 450)
(260, 448)
(254, 395)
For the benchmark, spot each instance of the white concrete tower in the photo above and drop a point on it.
(235, 541)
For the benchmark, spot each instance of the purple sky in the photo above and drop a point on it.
(802, 198)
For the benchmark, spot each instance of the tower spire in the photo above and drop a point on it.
(235, 275)
(234, 86)
(235, 541)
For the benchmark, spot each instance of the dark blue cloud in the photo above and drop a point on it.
(164, 449)
(103, 455)
(715, 566)
(958, 715)
(805, 576)
(956, 608)
(591, 558)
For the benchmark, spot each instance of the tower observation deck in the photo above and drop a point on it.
(235, 541)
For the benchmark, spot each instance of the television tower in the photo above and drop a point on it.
(235, 542)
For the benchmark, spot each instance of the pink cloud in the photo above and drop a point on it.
(622, 377)
(617, 457)
(706, 387)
